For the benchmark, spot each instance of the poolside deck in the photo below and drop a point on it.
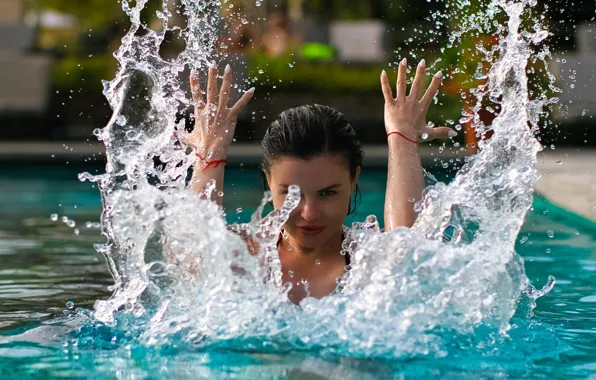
(568, 175)
(569, 179)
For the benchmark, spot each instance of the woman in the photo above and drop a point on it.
(315, 148)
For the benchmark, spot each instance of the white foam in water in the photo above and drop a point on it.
(187, 277)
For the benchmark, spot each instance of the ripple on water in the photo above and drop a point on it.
(588, 299)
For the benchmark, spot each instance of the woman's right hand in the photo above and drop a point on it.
(215, 123)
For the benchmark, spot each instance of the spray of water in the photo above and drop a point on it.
(187, 277)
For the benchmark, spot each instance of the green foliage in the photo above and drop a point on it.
(72, 73)
(330, 76)
(337, 78)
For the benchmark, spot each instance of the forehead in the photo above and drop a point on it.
(318, 172)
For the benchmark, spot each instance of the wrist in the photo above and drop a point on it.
(211, 154)
(208, 163)
(404, 136)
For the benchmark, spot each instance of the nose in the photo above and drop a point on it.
(309, 210)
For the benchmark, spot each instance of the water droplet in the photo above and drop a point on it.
(77, 231)
(318, 262)
(71, 223)
(261, 72)
(238, 210)
(559, 162)
(70, 305)
(291, 273)
(550, 233)
(424, 136)
(291, 64)
(54, 217)
(258, 3)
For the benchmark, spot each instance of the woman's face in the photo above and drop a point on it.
(325, 187)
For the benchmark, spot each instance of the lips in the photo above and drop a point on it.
(311, 230)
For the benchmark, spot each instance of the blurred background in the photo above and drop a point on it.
(54, 55)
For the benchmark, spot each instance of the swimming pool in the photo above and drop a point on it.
(47, 264)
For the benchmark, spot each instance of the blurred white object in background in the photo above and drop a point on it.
(24, 77)
(358, 40)
(576, 76)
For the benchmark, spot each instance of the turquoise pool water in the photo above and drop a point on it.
(46, 264)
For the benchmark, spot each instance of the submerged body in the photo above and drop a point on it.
(315, 148)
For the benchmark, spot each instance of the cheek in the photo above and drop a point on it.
(278, 200)
(336, 208)
(342, 206)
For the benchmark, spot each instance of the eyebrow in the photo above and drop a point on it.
(327, 188)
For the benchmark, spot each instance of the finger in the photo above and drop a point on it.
(212, 85)
(386, 87)
(401, 79)
(195, 86)
(224, 92)
(242, 102)
(441, 133)
(418, 83)
(431, 91)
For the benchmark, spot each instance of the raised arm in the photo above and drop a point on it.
(213, 133)
(405, 124)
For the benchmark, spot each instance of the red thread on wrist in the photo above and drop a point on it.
(402, 135)
(214, 163)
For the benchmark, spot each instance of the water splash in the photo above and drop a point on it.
(187, 278)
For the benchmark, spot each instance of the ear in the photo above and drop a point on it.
(356, 177)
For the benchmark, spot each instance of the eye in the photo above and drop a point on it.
(327, 193)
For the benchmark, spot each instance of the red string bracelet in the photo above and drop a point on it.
(402, 135)
(214, 163)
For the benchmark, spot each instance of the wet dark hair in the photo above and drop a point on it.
(309, 131)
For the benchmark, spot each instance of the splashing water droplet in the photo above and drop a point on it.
(54, 217)
(213, 269)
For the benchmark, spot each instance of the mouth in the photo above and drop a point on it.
(310, 231)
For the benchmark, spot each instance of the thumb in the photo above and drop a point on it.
(442, 133)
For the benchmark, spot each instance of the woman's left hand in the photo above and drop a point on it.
(407, 114)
